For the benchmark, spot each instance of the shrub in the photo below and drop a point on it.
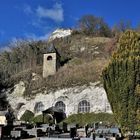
(27, 116)
(39, 118)
(90, 118)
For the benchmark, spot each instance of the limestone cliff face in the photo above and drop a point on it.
(71, 97)
(58, 33)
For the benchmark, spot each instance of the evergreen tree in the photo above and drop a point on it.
(122, 81)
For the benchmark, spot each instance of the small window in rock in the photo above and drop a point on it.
(60, 105)
(49, 58)
(84, 107)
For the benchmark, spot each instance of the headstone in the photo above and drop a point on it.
(73, 132)
(65, 127)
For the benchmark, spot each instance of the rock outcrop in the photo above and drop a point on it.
(71, 97)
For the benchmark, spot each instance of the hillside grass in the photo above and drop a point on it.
(77, 74)
(84, 57)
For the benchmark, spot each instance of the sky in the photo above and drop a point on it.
(36, 19)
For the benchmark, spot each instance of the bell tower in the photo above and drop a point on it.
(50, 61)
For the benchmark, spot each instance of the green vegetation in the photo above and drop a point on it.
(39, 118)
(81, 119)
(27, 116)
(90, 118)
(122, 81)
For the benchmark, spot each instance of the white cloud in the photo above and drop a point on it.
(55, 13)
(38, 19)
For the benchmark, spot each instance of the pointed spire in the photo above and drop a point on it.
(51, 48)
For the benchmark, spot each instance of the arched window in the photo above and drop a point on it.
(49, 58)
(60, 105)
(38, 107)
(83, 107)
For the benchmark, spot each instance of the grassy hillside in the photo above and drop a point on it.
(82, 58)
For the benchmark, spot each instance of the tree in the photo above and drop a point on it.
(122, 81)
(103, 28)
(91, 25)
(120, 27)
(138, 27)
(22, 55)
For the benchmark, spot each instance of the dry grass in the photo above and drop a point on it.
(73, 75)
(88, 58)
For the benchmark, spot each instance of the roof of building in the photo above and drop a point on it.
(52, 49)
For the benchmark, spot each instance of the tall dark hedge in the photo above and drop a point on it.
(122, 81)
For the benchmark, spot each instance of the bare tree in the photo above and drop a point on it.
(92, 25)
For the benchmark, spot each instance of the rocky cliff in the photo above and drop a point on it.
(71, 97)
(79, 77)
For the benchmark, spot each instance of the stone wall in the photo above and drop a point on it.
(71, 97)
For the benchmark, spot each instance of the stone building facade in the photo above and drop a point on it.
(79, 99)
(74, 100)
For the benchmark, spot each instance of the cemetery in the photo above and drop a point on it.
(11, 129)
